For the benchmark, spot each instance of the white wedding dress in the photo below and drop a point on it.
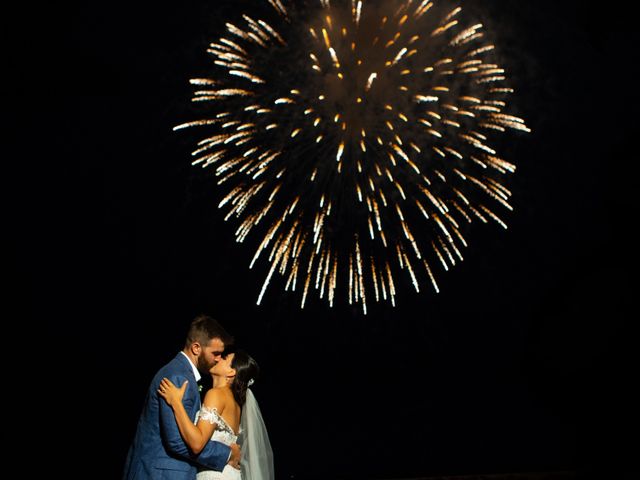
(223, 433)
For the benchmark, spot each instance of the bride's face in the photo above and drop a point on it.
(223, 367)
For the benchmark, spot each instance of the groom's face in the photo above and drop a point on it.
(210, 354)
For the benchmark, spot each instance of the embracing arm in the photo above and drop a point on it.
(171, 437)
(195, 436)
(214, 455)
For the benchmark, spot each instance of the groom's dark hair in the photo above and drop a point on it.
(203, 328)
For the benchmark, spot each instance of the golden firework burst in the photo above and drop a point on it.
(357, 140)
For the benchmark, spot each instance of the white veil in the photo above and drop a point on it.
(257, 456)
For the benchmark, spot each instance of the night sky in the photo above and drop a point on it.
(521, 363)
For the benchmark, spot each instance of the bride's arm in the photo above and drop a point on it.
(195, 436)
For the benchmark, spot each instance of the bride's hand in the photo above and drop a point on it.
(172, 394)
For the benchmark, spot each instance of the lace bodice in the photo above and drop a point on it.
(223, 432)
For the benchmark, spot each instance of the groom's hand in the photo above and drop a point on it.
(234, 459)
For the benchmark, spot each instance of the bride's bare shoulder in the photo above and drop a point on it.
(215, 398)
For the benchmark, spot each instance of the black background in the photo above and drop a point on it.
(521, 363)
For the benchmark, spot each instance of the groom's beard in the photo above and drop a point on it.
(203, 365)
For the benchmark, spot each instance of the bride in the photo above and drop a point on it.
(229, 414)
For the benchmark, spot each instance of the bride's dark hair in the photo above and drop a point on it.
(246, 370)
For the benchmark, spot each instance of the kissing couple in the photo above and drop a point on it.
(180, 437)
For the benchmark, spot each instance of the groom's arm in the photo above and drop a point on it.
(213, 456)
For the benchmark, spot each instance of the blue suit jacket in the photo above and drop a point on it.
(158, 451)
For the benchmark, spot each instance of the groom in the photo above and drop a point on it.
(158, 451)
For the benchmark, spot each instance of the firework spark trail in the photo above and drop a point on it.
(358, 136)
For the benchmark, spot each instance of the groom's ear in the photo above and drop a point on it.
(196, 348)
